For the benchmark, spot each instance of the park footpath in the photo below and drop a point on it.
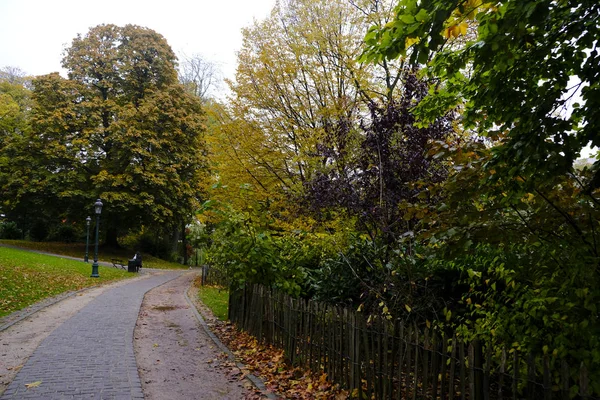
(91, 354)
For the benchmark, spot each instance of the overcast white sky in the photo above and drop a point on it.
(33, 33)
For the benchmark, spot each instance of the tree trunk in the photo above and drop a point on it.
(175, 241)
(185, 254)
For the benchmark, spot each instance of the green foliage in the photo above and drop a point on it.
(515, 79)
(9, 230)
(28, 278)
(514, 297)
(15, 105)
(64, 232)
(515, 219)
(253, 254)
(526, 253)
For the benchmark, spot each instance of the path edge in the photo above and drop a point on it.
(256, 381)
(39, 306)
(50, 301)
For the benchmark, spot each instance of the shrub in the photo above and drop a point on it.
(64, 233)
(10, 230)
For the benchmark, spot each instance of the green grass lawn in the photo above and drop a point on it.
(215, 298)
(26, 278)
(104, 253)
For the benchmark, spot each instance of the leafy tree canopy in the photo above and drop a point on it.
(518, 79)
(120, 128)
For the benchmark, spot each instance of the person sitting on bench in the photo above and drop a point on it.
(136, 261)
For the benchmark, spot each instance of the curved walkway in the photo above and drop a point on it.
(91, 354)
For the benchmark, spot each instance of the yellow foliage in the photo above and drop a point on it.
(411, 41)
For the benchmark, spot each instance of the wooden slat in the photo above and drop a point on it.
(531, 377)
(329, 348)
(583, 382)
(564, 384)
(388, 370)
(486, 373)
(417, 359)
(547, 381)
(515, 382)
(347, 348)
(400, 357)
(379, 365)
(435, 366)
(443, 361)
(393, 356)
(461, 360)
(407, 375)
(477, 368)
(451, 377)
(367, 358)
(359, 351)
(313, 336)
(502, 371)
(471, 356)
(426, 354)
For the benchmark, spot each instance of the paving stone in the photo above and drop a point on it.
(91, 354)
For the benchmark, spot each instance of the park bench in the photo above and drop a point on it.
(118, 263)
(133, 265)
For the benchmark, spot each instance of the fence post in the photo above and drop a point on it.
(515, 378)
(477, 371)
(452, 368)
(564, 384)
(547, 381)
(501, 374)
(583, 382)
(417, 360)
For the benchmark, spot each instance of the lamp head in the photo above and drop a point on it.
(87, 220)
(98, 207)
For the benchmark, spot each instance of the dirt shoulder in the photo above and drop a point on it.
(176, 358)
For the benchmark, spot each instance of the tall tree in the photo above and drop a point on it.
(299, 92)
(15, 110)
(320, 126)
(120, 128)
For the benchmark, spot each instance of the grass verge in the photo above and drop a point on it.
(104, 253)
(215, 298)
(26, 278)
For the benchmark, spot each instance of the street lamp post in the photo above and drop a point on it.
(97, 210)
(87, 238)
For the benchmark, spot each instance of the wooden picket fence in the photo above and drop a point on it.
(377, 358)
(212, 276)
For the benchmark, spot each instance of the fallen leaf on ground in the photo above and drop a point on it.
(33, 384)
(269, 363)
